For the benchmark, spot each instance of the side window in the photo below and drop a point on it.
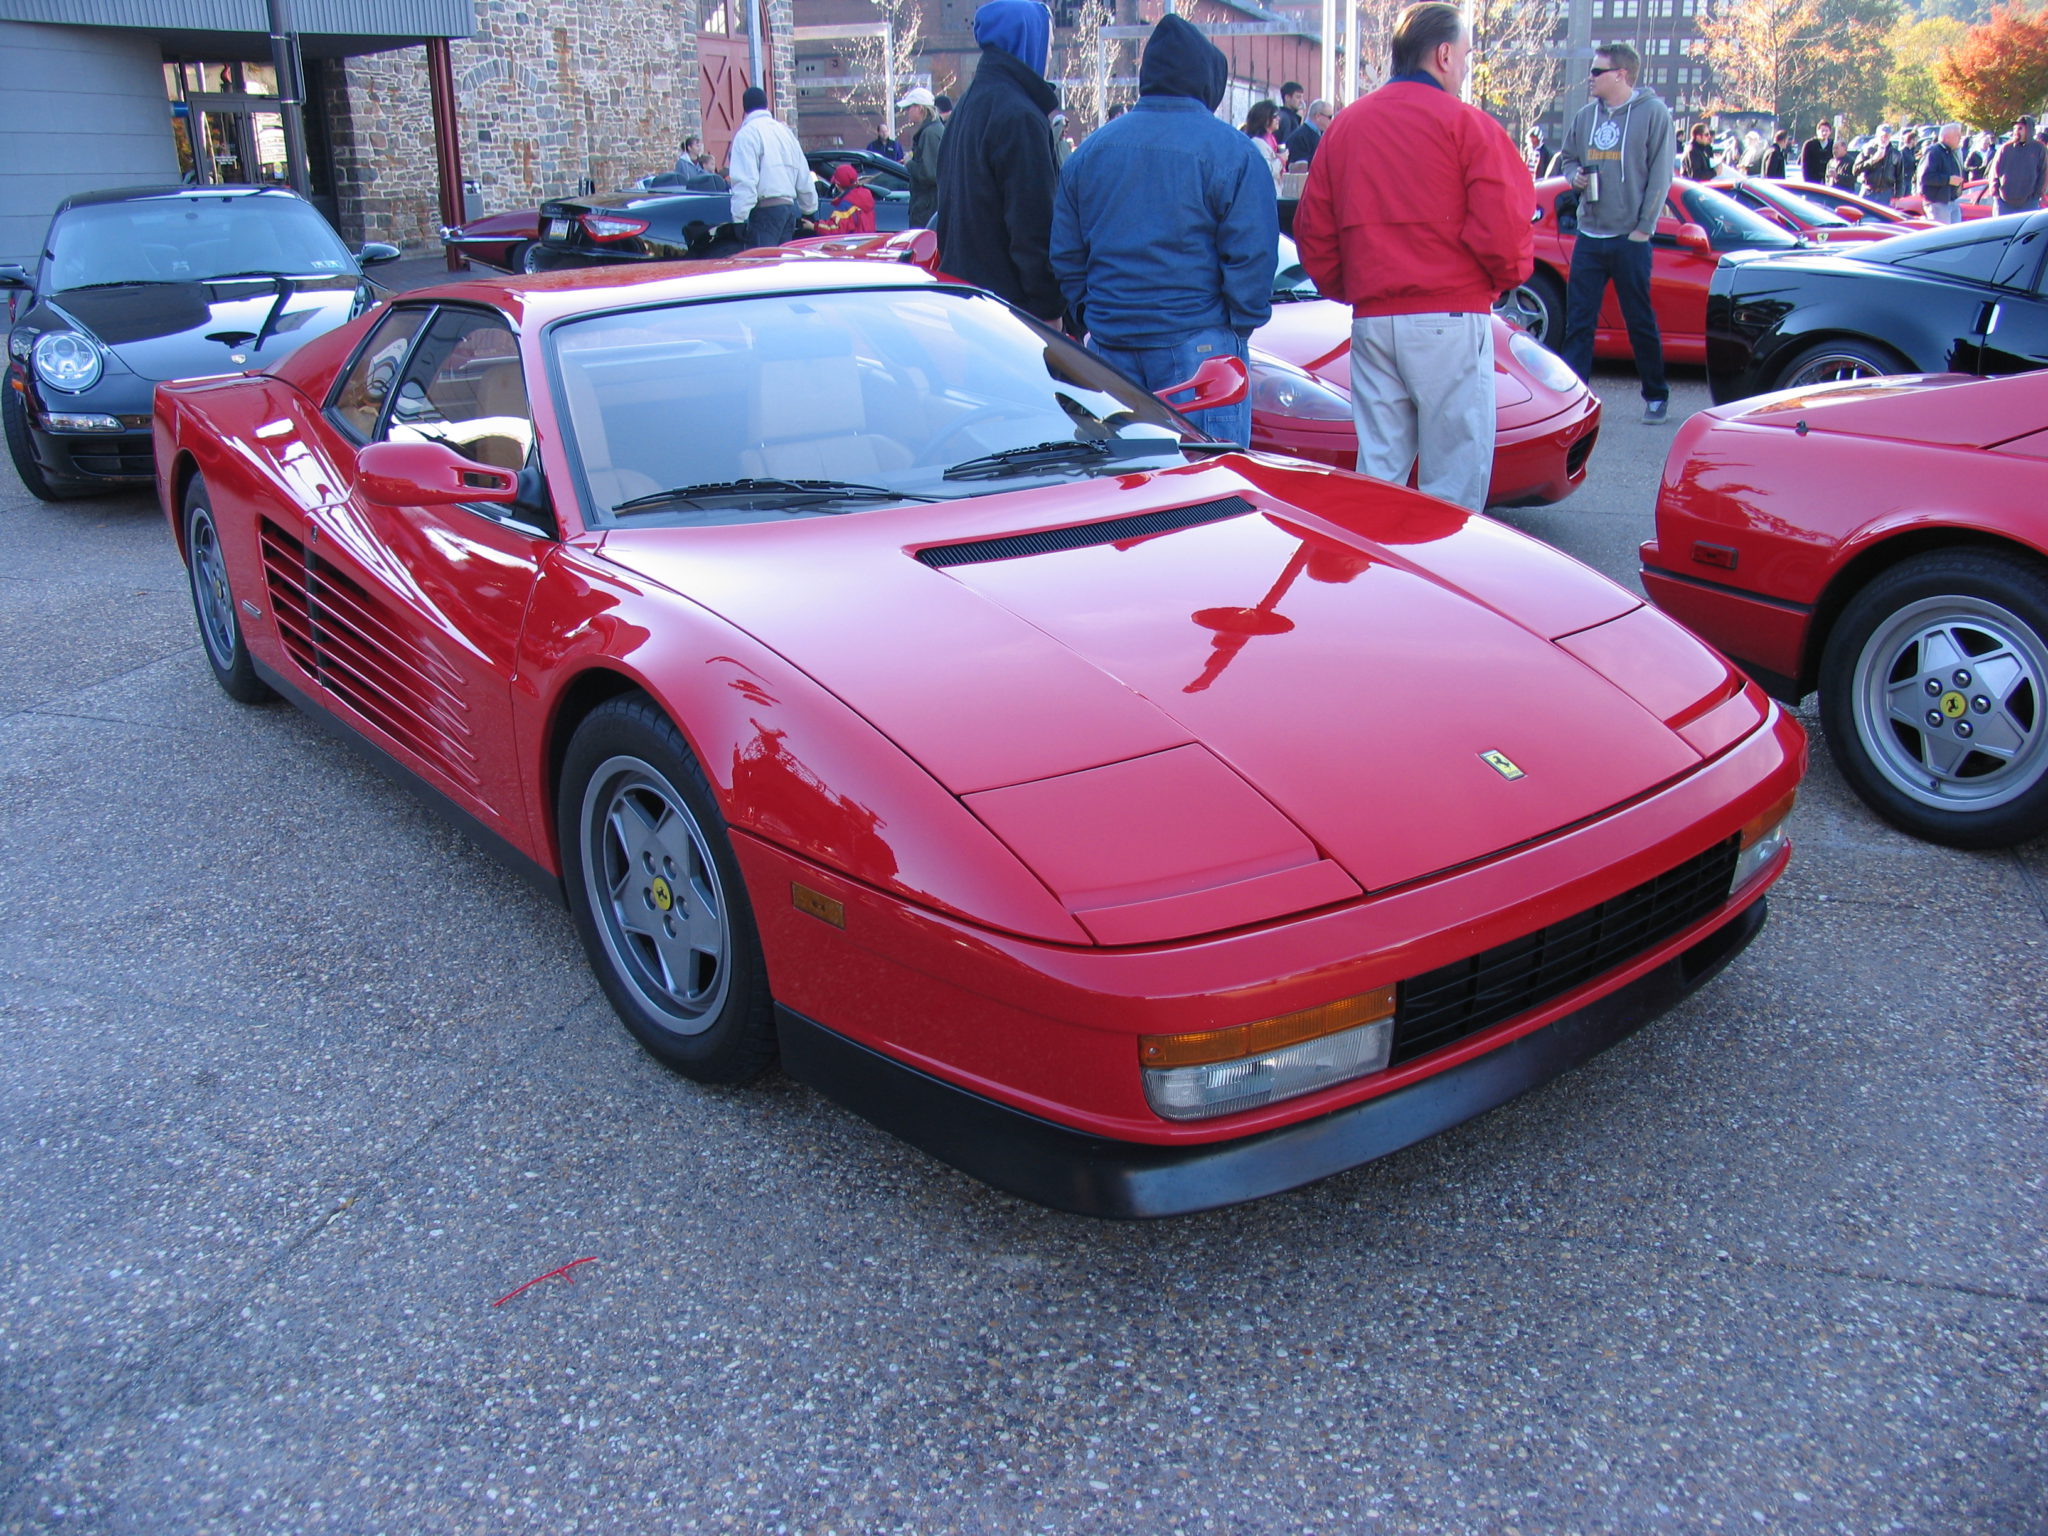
(464, 387)
(361, 397)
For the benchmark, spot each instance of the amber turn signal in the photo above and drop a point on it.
(1266, 1035)
(1757, 826)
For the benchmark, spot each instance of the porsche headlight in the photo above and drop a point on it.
(66, 360)
(1280, 389)
(1543, 365)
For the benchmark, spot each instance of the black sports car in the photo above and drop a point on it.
(142, 284)
(1964, 298)
(673, 219)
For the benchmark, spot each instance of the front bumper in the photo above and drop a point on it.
(1071, 1170)
(67, 457)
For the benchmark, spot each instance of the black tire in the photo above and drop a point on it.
(1537, 306)
(14, 420)
(657, 895)
(525, 257)
(1934, 695)
(1845, 358)
(213, 603)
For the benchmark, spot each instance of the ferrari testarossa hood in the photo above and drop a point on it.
(1951, 410)
(1401, 723)
(190, 330)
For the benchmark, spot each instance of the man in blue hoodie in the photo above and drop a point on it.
(1165, 233)
(997, 165)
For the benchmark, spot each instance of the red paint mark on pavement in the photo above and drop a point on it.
(536, 1280)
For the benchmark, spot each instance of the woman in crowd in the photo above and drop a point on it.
(1258, 127)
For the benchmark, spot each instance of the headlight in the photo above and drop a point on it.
(1280, 389)
(1762, 840)
(1227, 1071)
(66, 360)
(1543, 365)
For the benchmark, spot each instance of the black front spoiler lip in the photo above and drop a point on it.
(1089, 1175)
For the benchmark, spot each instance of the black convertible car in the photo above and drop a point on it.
(143, 284)
(673, 218)
(1965, 298)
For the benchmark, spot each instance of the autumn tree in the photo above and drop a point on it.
(1999, 71)
(1517, 74)
(1856, 62)
(869, 58)
(1767, 55)
(1910, 93)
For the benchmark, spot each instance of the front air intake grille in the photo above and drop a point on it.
(1460, 999)
(1081, 535)
(1575, 456)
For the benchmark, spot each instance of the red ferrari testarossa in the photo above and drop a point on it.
(1140, 824)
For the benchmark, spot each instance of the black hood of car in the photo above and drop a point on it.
(189, 330)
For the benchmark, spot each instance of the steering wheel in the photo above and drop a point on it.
(1002, 410)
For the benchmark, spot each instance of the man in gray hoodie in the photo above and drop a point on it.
(1618, 153)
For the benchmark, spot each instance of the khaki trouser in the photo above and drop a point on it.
(1422, 388)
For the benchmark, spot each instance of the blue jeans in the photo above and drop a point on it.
(771, 226)
(2005, 207)
(1625, 263)
(1157, 367)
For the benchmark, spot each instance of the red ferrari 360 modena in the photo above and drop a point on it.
(1882, 542)
(1141, 824)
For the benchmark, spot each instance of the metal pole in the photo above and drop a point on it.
(754, 72)
(291, 94)
(1101, 78)
(1351, 74)
(447, 140)
(1329, 52)
(889, 78)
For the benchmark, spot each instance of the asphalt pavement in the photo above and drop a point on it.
(295, 1086)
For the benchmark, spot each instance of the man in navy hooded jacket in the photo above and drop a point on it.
(997, 166)
(1165, 233)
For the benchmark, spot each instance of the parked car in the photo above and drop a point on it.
(142, 284)
(501, 240)
(1786, 204)
(643, 224)
(1975, 197)
(1853, 207)
(1883, 543)
(1545, 419)
(1959, 298)
(1699, 225)
(885, 178)
(884, 680)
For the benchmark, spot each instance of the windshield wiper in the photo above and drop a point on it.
(768, 486)
(123, 282)
(1036, 456)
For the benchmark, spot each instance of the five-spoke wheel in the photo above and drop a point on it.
(213, 602)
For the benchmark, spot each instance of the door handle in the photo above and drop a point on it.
(1987, 317)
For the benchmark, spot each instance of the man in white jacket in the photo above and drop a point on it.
(771, 183)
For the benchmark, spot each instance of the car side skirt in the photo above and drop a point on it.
(1070, 1170)
(515, 859)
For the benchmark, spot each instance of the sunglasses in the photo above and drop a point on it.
(1595, 74)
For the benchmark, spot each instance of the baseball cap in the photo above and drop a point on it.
(917, 97)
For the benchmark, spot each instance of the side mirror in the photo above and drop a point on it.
(431, 475)
(375, 253)
(1693, 238)
(14, 275)
(1218, 382)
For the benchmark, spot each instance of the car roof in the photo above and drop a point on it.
(545, 297)
(146, 194)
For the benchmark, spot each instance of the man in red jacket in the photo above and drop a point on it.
(1416, 214)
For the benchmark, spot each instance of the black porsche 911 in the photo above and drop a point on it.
(138, 285)
(1963, 298)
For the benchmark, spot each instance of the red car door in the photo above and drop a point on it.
(419, 609)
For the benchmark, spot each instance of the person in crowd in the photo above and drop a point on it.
(1816, 153)
(1062, 141)
(882, 144)
(997, 174)
(1258, 127)
(772, 187)
(944, 104)
(1165, 233)
(920, 111)
(1909, 159)
(691, 158)
(1750, 157)
(1301, 144)
(1418, 244)
(1941, 177)
(1617, 152)
(852, 210)
(1877, 168)
(1699, 154)
(1777, 156)
(1842, 169)
(1289, 116)
(1537, 155)
(2018, 170)
(1977, 157)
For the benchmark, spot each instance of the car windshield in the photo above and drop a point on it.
(886, 389)
(1805, 209)
(190, 239)
(1730, 226)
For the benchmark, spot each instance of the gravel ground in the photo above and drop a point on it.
(294, 1086)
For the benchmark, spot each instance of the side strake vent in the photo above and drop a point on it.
(1081, 535)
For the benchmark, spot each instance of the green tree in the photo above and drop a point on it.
(1858, 61)
(1999, 71)
(1910, 92)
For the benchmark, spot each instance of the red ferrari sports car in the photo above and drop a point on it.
(1139, 823)
(1977, 201)
(1850, 206)
(1788, 205)
(1882, 542)
(1699, 224)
